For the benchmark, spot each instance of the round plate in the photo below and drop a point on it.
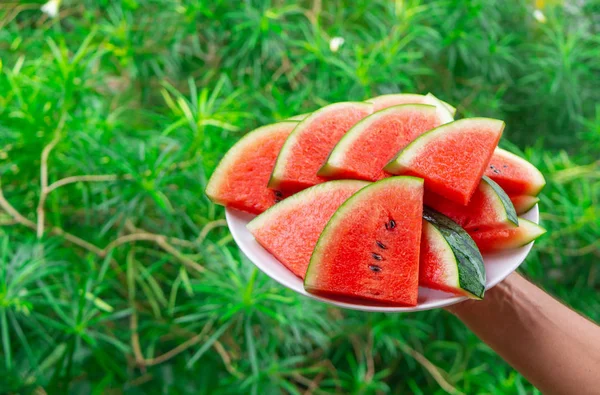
(498, 266)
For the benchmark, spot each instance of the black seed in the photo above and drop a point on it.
(381, 245)
(392, 224)
(492, 167)
(505, 166)
(278, 194)
(375, 268)
(496, 171)
(376, 256)
(475, 229)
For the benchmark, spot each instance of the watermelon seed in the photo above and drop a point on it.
(375, 268)
(278, 194)
(392, 224)
(381, 245)
(505, 166)
(496, 171)
(376, 256)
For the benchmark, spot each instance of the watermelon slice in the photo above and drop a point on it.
(452, 157)
(307, 147)
(514, 174)
(489, 208)
(450, 260)
(523, 203)
(240, 179)
(386, 101)
(364, 151)
(498, 240)
(369, 250)
(290, 229)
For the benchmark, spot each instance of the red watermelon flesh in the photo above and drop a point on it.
(364, 150)
(514, 174)
(308, 146)
(451, 158)
(369, 250)
(489, 208)
(290, 229)
(240, 180)
(498, 240)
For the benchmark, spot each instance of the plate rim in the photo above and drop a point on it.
(230, 215)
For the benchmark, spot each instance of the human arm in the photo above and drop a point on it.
(555, 348)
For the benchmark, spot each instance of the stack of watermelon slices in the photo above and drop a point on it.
(367, 201)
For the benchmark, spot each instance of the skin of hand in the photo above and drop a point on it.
(552, 346)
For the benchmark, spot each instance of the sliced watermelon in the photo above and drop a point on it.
(514, 174)
(240, 179)
(450, 260)
(369, 250)
(363, 152)
(489, 208)
(452, 157)
(523, 203)
(386, 101)
(290, 229)
(307, 147)
(498, 240)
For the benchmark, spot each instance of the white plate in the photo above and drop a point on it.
(498, 266)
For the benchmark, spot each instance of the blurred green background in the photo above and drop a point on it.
(117, 275)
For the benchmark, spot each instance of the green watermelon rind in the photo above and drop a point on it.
(468, 262)
(301, 196)
(218, 175)
(341, 148)
(299, 117)
(446, 115)
(406, 156)
(539, 231)
(451, 109)
(538, 176)
(340, 215)
(504, 201)
(291, 140)
(523, 208)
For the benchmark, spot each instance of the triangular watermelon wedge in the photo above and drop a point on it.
(308, 146)
(451, 158)
(489, 208)
(514, 174)
(450, 260)
(498, 240)
(290, 229)
(240, 180)
(369, 250)
(364, 150)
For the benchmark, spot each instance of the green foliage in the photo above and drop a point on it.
(131, 281)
